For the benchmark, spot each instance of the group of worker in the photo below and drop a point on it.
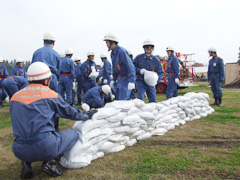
(36, 107)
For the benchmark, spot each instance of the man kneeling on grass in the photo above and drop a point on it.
(33, 111)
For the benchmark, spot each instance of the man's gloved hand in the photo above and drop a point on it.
(142, 71)
(105, 81)
(131, 86)
(221, 79)
(91, 113)
(176, 80)
(85, 107)
(112, 84)
(100, 79)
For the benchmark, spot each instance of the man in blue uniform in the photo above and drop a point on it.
(50, 57)
(87, 68)
(79, 79)
(132, 95)
(67, 76)
(147, 62)
(13, 84)
(3, 75)
(173, 73)
(32, 111)
(124, 74)
(216, 75)
(106, 75)
(18, 70)
(94, 97)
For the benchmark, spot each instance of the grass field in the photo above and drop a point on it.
(208, 148)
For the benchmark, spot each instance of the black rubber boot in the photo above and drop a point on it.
(215, 103)
(1, 104)
(109, 99)
(50, 167)
(26, 170)
(105, 101)
(79, 101)
(56, 125)
(220, 101)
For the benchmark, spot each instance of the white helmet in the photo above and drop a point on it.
(111, 37)
(90, 53)
(19, 60)
(62, 54)
(103, 55)
(77, 59)
(106, 89)
(49, 36)
(169, 48)
(130, 52)
(212, 49)
(68, 51)
(1, 59)
(148, 42)
(38, 71)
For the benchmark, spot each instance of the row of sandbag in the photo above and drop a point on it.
(123, 123)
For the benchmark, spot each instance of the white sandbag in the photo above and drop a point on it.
(173, 120)
(174, 115)
(173, 106)
(177, 124)
(114, 125)
(95, 133)
(120, 105)
(84, 127)
(159, 131)
(150, 78)
(138, 103)
(182, 122)
(131, 142)
(134, 110)
(144, 136)
(163, 110)
(153, 104)
(162, 125)
(195, 117)
(203, 115)
(166, 103)
(178, 109)
(183, 99)
(167, 118)
(105, 112)
(174, 100)
(146, 115)
(182, 105)
(99, 138)
(197, 109)
(138, 133)
(159, 106)
(155, 112)
(106, 146)
(115, 138)
(187, 119)
(97, 155)
(121, 129)
(79, 162)
(171, 126)
(171, 111)
(147, 108)
(132, 130)
(204, 109)
(159, 116)
(116, 148)
(118, 117)
(132, 119)
(205, 95)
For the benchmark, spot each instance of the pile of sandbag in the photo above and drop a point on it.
(123, 123)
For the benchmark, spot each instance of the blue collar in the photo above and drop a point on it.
(115, 49)
(145, 56)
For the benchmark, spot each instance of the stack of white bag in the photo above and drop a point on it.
(123, 123)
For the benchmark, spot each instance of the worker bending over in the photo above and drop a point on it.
(13, 84)
(123, 68)
(95, 96)
(143, 63)
(32, 111)
(173, 73)
(216, 75)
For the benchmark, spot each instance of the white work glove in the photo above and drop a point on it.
(85, 107)
(176, 80)
(105, 81)
(113, 97)
(131, 86)
(142, 71)
(111, 76)
(100, 79)
(112, 84)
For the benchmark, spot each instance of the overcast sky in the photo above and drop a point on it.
(190, 26)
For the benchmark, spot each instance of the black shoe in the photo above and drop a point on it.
(79, 101)
(220, 101)
(1, 104)
(56, 125)
(109, 99)
(26, 170)
(50, 167)
(215, 103)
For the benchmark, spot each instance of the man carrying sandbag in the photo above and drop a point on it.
(149, 72)
(173, 73)
(94, 98)
(32, 111)
(216, 75)
(123, 68)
